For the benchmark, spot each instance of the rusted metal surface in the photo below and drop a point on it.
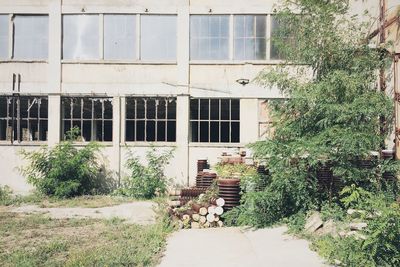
(229, 190)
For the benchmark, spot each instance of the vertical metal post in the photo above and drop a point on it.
(13, 108)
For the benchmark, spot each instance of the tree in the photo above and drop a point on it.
(331, 115)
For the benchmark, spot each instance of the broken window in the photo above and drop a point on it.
(23, 118)
(151, 119)
(215, 120)
(92, 115)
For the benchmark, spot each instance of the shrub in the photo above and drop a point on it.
(5, 195)
(64, 170)
(146, 181)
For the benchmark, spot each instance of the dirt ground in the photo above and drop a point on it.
(141, 212)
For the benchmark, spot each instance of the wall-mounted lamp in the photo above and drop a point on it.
(210, 10)
(243, 81)
(146, 10)
(83, 9)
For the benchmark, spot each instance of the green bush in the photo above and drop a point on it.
(5, 195)
(66, 171)
(146, 181)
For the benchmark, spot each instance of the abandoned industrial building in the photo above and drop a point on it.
(134, 73)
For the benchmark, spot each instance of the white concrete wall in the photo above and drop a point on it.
(182, 79)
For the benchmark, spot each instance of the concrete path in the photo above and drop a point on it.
(236, 247)
(140, 212)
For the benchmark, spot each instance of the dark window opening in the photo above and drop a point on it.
(27, 121)
(151, 119)
(92, 115)
(215, 120)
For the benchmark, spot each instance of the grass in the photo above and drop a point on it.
(36, 240)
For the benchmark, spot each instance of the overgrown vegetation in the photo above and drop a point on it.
(65, 170)
(331, 118)
(36, 240)
(5, 195)
(146, 181)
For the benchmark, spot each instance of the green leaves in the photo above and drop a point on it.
(146, 181)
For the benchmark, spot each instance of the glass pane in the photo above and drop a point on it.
(43, 130)
(261, 22)
(130, 131)
(87, 109)
(249, 26)
(3, 36)
(140, 108)
(130, 108)
(161, 131)
(209, 37)
(235, 132)
(108, 109)
(194, 129)
(98, 130)
(3, 107)
(158, 37)
(161, 109)
(250, 48)
(31, 37)
(44, 109)
(239, 26)
(151, 108)
(214, 132)
(225, 132)
(214, 112)
(204, 131)
(261, 46)
(225, 109)
(3, 129)
(23, 108)
(239, 45)
(140, 131)
(76, 109)
(98, 108)
(119, 36)
(151, 131)
(171, 109)
(194, 109)
(87, 131)
(108, 131)
(171, 131)
(235, 109)
(81, 37)
(66, 127)
(204, 109)
(66, 108)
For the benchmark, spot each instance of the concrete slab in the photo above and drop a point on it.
(140, 212)
(236, 247)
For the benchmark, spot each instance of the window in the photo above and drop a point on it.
(31, 37)
(3, 36)
(215, 120)
(151, 119)
(119, 37)
(81, 37)
(158, 37)
(92, 115)
(250, 37)
(23, 118)
(284, 35)
(209, 37)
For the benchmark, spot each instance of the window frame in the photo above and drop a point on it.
(209, 121)
(17, 133)
(81, 119)
(137, 60)
(11, 38)
(145, 120)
